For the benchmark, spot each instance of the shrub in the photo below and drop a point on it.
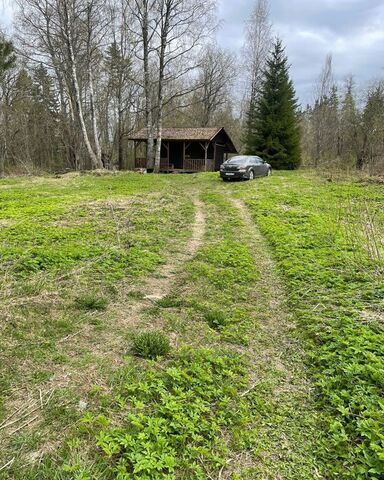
(151, 345)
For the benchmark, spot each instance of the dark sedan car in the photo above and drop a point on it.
(244, 167)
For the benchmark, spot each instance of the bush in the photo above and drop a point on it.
(151, 345)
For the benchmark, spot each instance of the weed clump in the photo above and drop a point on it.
(151, 345)
(91, 302)
(216, 319)
(170, 302)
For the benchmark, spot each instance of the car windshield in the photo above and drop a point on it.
(238, 160)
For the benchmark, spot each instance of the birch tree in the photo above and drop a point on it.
(40, 40)
(70, 12)
(258, 42)
(182, 28)
(216, 76)
(145, 14)
(63, 34)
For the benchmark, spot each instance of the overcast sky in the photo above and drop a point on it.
(352, 30)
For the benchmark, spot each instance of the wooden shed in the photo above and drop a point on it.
(187, 149)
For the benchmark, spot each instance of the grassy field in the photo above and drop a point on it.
(262, 310)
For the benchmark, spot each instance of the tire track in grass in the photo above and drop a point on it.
(287, 427)
(161, 286)
(278, 438)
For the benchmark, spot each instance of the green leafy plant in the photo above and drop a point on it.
(334, 282)
(151, 344)
(216, 319)
(170, 301)
(175, 418)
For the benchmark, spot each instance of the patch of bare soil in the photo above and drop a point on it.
(372, 317)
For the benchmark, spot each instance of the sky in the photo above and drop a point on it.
(351, 30)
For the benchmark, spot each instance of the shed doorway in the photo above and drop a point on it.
(176, 155)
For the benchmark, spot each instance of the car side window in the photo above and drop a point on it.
(257, 161)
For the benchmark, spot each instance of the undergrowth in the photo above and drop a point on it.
(336, 286)
(171, 420)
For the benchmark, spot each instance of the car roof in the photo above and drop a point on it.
(244, 157)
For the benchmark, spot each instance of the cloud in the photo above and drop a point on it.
(352, 30)
(6, 15)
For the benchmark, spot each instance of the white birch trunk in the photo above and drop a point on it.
(147, 88)
(93, 157)
(94, 116)
(160, 92)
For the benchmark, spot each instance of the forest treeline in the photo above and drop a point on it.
(344, 128)
(77, 77)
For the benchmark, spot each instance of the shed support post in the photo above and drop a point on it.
(183, 155)
(135, 153)
(206, 155)
(168, 153)
(166, 146)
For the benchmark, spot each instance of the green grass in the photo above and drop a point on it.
(275, 369)
(69, 248)
(215, 401)
(327, 240)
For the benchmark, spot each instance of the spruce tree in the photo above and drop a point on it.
(7, 57)
(250, 125)
(273, 124)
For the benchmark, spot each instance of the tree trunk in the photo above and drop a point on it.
(120, 150)
(3, 149)
(96, 163)
(159, 134)
(147, 87)
(94, 159)
(93, 114)
(160, 92)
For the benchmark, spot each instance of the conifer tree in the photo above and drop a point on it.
(7, 57)
(273, 123)
(7, 63)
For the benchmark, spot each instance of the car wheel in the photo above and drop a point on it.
(251, 175)
(269, 173)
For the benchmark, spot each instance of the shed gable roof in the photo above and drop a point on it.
(202, 134)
